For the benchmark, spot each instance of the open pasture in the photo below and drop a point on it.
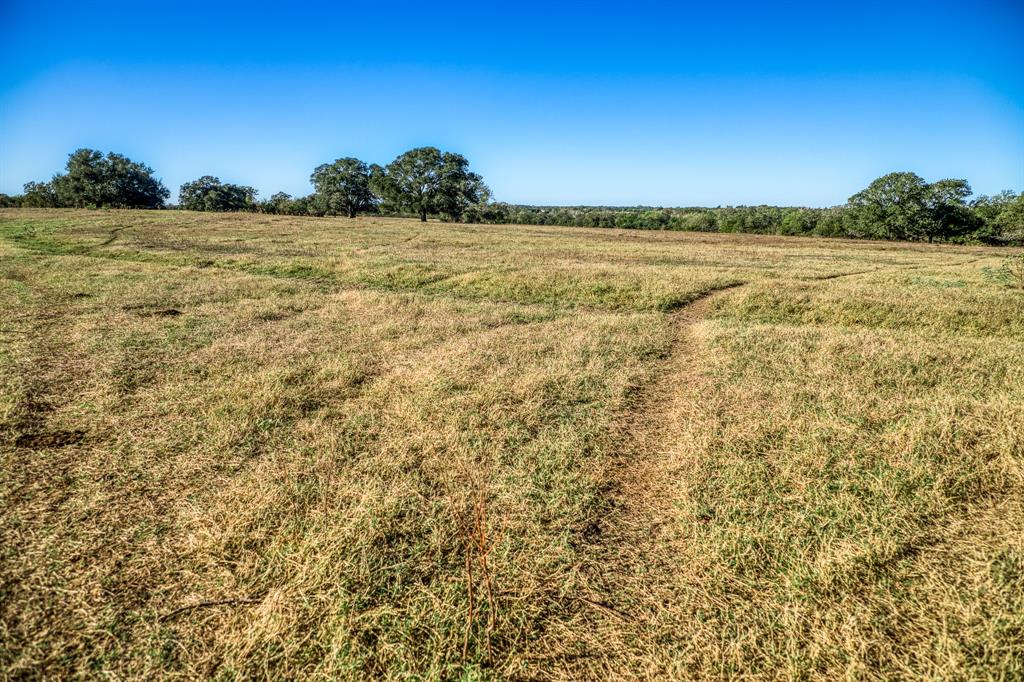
(249, 445)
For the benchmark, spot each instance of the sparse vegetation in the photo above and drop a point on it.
(242, 445)
(1010, 271)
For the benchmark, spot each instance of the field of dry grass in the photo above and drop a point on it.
(245, 445)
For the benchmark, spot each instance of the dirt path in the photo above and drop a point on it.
(632, 552)
(638, 483)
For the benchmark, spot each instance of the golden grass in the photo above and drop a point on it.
(243, 445)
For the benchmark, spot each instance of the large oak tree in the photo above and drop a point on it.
(426, 181)
(343, 187)
(111, 181)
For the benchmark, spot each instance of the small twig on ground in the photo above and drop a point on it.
(205, 604)
(469, 619)
(604, 608)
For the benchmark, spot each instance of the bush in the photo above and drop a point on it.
(1010, 272)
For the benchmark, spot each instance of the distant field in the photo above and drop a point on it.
(247, 445)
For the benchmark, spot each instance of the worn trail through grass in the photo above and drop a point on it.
(645, 434)
(634, 556)
(638, 484)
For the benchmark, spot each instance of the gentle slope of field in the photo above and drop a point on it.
(268, 446)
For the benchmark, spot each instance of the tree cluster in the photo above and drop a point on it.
(421, 182)
(903, 206)
(427, 181)
(94, 180)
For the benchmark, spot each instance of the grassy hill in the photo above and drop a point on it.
(245, 445)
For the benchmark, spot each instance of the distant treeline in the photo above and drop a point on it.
(995, 219)
(429, 182)
(422, 182)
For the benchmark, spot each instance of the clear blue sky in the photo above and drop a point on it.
(557, 103)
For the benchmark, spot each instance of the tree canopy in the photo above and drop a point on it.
(111, 181)
(1010, 219)
(427, 181)
(948, 213)
(904, 206)
(343, 187)
(210, 194)
(891, 207)
(39, 195)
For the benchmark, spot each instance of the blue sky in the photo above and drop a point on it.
(553, 103)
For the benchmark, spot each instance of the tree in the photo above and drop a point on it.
(111, 181)
(1010, 220)
(427, 181)
(86, 182)
(210, 194)
(39, 195)
(488, 212)
(1000, 218)
(797, 221)
(277, 204)
(698, 220)
(832, 222)
(459, 188)
(132, 184)
(949, 215)
(343, 187)
(988, 207)
(893, 207)
(301, 206)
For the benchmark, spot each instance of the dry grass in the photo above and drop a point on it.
(239, 445)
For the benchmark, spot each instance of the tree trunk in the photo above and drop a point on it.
(351, 211)
(423, 215)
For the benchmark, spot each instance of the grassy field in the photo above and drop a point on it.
(246, 445)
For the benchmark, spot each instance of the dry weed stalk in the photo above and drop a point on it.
(479, 542)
